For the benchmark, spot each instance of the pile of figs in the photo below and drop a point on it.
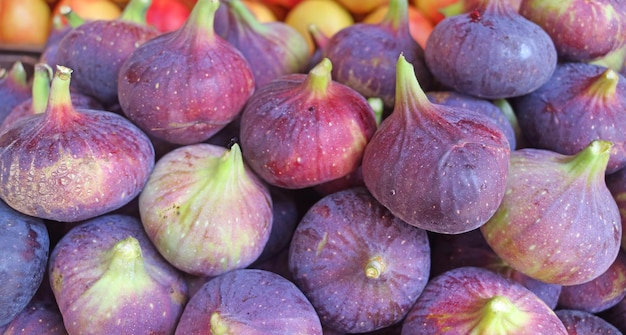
(222, 179)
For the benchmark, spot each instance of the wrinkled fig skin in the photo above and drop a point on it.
(205, 210)
(599, 294)
(471, 300)
(556, 203)
(131, 290)
(24, 244)
(581, 30)
(361, 267)
(490, 52)
(39, 317)
(251, 302)
(186, 85)
(584, 323)
(14, 88)
(580, 103)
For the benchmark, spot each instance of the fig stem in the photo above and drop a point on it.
(60, 101)
(126, 259)
(245, 15)
(593, 159)
(135, 11)
(319, 78)
(218, 326)
(397, 16)
(605, 86)
(41, 87)
(374, 267)
(72, 18)
(408, 89)
(18, 75)
(230, 165)
(202, 18)
(499, 316)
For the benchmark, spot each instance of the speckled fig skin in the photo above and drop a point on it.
(584, 323)
(361, 267)
(70, 164)
(437, 167)
(471, 300)
(186, 85)
(580, 103)
(558, 221)
(581, 30)
(491, 52)
(205, 210)
(251, 302)
(107, 267)
(41, 317)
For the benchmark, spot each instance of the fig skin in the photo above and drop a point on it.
(186, 85)
(108, 267)
(361, 267)
(14, 88)
(491, 52)
(580, 103)
(205, 210)
(616, 315)
(41, 317)
(251, 302)
(616, 182)
(471, 300)
(558, 222)
(584, 323)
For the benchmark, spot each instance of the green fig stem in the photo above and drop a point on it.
(230, 165)
(18, 75)
(605, 86)
(245, 15)
(41, 87)
(73, 19)
(60, 101)
(456, 8)
(409, 93)
(614, 60)
(319, 78)
(397, 16)
(126, 260)
(201, 19)
(499, 316)
(378, 106)
(218, 326)
(591, 160)
(135, 11)
(374, 267)
(319, 38)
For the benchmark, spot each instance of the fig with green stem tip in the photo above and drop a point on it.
(14, 88)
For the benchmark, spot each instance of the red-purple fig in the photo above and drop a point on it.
(584, 323)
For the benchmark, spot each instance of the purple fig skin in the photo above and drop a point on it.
(558, 222)
(584, 323)
(361, 267)
(437, 167)
(616, 182)
(186, 85)
(616, 315)
(24, 244)
(303, 130)
(70, 164)
(581, 30)
(471, 300)
(251, 302)
(39, 317)
(14, 88)
(491, 52)
(205, 210)
(107, 267)
(599, 294)
(580, 103)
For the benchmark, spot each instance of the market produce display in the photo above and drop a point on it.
(312, 167)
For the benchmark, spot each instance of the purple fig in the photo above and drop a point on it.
(361, 267)
(106, 267)
(14, 88)
(70, 164)
(303, 130)
(186, 85)
(616, 182)
(471, 300)
(558, 222)
(584, 323)
(364, 54)
(251, 302)
(580, 103)
(205, 210)
(437, 167)
(39, 317)
(581, 30)
(491, 52)
(616, 315)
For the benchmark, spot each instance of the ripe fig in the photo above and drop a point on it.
(14, 88)
(186, 85)
(584, 323)
(205, 210)
(558, 222)
(303, 130)
(616, 182)
(580, 103)
(40, 317)
(491, 52)
(437, 167)
(70, 164)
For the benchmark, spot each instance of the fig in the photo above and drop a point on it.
(303, 130)
(24, 244)
(580, 103)
(364, 54)
(40, 316)
(271, 48)
(440, 168)
(185, 85)
(581, 30)
(69, 164)
(616, 182)
(14, 88)
(558, 222)
(205, 210)
(616, 315)
(472, 300)
(361, 267)
(107, 267)
(491, 52)
(583, 323)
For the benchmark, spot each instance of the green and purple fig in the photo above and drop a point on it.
(558, 221)
(437, 167)
(14, 88)
(472, 300)
(107, 278)
(186, 85)
(584, 323)
(205, 210)
(302, 130)
(250, 302)
(69, 164)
